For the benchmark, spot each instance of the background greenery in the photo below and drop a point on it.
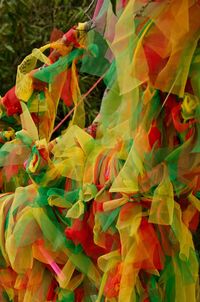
(26, 24)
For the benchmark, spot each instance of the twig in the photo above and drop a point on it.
(89, 7)
(81, 100)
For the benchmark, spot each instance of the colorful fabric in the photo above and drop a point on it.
(108, 212)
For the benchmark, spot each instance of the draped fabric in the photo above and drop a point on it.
(108, 212)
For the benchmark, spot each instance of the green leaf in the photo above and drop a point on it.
(9, 47)
(113, 6)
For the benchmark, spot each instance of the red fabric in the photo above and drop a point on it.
(56, 34)
(51, 291)
(79, 294)
(112, 242)
(197, 184)
(170, 103)
(154, 136)
(123, 3)
(11, 171)
(112, 286)
(194, 222)
(188, 87)
(190, 133)
(11, 103)
(155, 62)
(92, 129)
(82, 233)
(44, 153)
(149, 254)
(68, 185)
(97, 206)
(176, 116)
(71, 37)
(38, 85)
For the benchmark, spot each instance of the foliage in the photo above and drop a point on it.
(27, 24)
(113, 6)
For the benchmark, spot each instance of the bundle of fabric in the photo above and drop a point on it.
(107, 212)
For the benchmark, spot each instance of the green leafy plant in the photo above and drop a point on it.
(28, 24)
